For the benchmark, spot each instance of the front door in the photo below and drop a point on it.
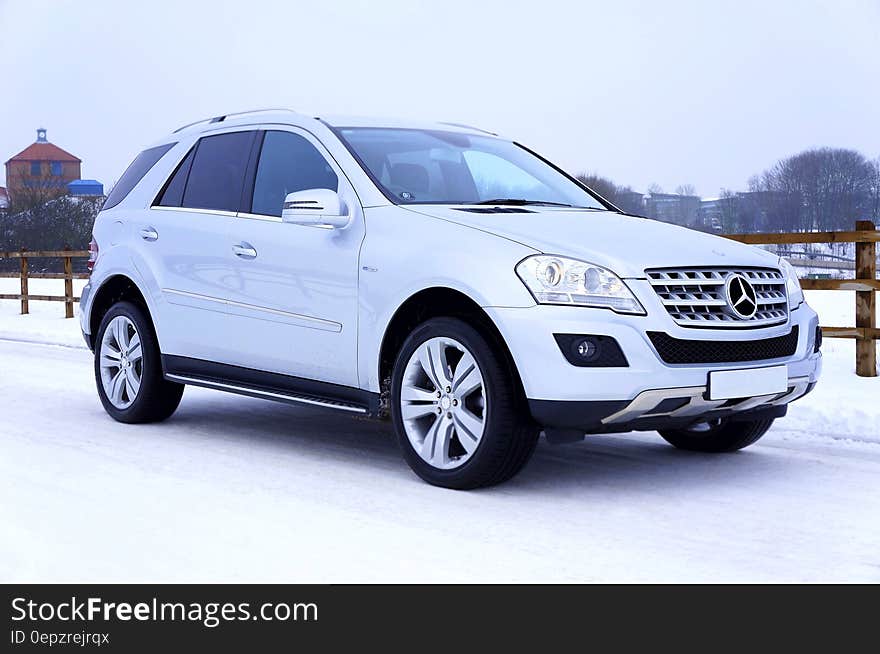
(293, 301)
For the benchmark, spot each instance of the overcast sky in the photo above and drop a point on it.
(706, 93)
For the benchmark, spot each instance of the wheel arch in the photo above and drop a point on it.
(436, 302)
(116, 288)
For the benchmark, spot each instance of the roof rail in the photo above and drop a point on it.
(222, 117)
(476, 129)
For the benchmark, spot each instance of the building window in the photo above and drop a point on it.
(56, 168)
(35, 168)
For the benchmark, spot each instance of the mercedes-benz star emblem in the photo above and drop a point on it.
(741, 297)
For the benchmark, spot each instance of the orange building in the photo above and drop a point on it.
(41, 165)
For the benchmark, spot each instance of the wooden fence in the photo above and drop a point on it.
(865, 285)
(24, 256)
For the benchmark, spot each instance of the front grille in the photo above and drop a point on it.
(678, 350)
(696, 297)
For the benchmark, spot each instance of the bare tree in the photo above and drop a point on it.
(42, 217)
(820, 189)
(602, 185)
(875, 192)
(729, 217)
(26, 192)
(622, 197)
(686, 189)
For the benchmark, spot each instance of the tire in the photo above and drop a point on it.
(508, 436)
(154, 398)
(724, 436)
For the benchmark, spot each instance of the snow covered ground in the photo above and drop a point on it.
(46, 322)
(237, 489)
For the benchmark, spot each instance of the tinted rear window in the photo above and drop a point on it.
(217, 174)
(135, 173)
(172, 195)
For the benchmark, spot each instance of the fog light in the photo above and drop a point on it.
(588, 350)
(818, 342)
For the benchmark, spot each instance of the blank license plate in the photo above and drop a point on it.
(730, 384)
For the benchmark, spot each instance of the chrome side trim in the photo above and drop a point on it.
(259, 216)
(215, 212)
(315, 323)
(311, 322)
(196, 296)
(267, 394)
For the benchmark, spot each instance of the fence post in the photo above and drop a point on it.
(866, 304)
(24, 282)
(68, 285)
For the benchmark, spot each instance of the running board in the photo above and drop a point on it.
(278, 396)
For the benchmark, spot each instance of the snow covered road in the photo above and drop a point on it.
(238, 489)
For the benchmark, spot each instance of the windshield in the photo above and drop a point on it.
(413, 166)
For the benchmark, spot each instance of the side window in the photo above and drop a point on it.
(135, 173)
(288, 163)
(172, 194)
(217, 174)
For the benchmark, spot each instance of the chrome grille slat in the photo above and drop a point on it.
(672, 302)
(695, 297)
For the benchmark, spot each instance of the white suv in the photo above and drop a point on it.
(436, 274)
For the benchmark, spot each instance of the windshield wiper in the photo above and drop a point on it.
(518, 202)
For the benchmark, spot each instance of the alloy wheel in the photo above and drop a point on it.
(121, 362)
(443, 403)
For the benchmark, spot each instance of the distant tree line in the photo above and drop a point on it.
(40, 218)
(822, 189)
(623, 197)
(819, 190)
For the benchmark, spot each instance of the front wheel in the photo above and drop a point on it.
(128, 368)
(719, 435)
(456, 409)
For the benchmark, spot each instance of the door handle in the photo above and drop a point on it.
(149, 234)
(244, 250)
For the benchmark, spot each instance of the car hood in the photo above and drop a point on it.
(627, 245)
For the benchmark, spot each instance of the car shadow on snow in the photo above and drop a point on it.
(630, 462)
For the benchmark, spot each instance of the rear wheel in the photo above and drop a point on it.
(455, 408)
(128, 368)
(720, 435)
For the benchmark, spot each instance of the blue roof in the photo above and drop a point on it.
(85, 187)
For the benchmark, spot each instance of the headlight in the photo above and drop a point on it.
(559, 280)
(792, 284)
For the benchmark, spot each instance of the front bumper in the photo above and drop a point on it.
(648, 393)
(665, 408)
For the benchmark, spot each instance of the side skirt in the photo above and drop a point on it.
(269, 385)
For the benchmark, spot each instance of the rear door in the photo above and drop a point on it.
(187, 235)
(294, 296)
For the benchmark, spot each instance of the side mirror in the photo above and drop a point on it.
(317, 207)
